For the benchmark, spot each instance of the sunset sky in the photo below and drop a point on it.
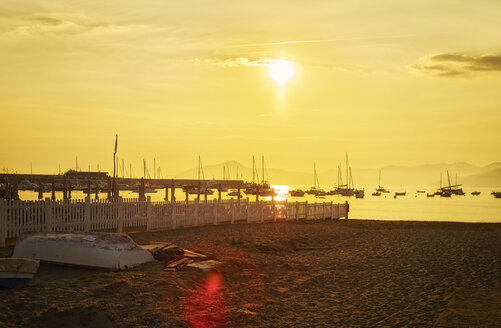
(391, 82)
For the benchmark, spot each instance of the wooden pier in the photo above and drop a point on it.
(103, 182)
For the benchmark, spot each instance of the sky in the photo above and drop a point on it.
(390, 82)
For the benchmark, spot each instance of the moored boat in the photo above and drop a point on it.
(297, 193)
(101, 250)
(359, 193)
(17, 271)
(400, 193)
(497, 194)
(475, 193)
(234, 193)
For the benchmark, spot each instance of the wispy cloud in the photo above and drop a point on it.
(455, 64)
(55, 23)
(240, 61)
(362, 38)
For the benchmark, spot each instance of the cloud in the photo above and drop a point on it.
(54, 23)
(240, 61)
(455, 64)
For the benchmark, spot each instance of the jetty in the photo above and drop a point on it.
(101, 181)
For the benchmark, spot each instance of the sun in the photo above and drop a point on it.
(281, 70)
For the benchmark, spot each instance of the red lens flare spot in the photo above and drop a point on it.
(206, 307)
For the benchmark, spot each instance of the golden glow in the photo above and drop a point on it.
(300, 84)
(282, 192)
(281, 70)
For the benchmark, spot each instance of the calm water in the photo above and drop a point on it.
(413, 206)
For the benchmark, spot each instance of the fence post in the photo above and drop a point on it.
(3, 221)
(323, 210)
(174, 214)
(148, 213)
(347, 209)
(297, 210)
(232, 208)
(197, 204)
(306, 210)
(87, 214)
(274, 209)
(248, 210)
(332, 210)
(120, 204)
(48, 214)
(286, 209)
(215, 211)
(261, 211)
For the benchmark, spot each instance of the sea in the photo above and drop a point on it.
(413, 206)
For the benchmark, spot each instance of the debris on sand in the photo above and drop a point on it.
(205, 266)
(177, 258)
(177, 264)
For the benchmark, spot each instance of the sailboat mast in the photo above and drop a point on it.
(199, 165)
(317, 182)
(114, 176)
(338, 172)
(262, 164)
(314, 175)
(347, 177)
(253, 169)
(379, 178)
(449, 179)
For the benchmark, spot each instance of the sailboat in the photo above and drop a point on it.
(449, 190)
(225, 178)
(344, 189)
(252, 189)
(263, 188)
(234, 193)
(315, 190)
(381, 188)
(195, 190)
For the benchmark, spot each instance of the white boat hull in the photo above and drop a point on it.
(101, 250)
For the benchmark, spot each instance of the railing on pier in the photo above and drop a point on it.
(17, 217)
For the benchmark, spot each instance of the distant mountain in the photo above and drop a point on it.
(490, 178)
(427, 175)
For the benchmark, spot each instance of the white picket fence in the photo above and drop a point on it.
(17, 217)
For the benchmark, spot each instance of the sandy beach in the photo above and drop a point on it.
(296, 274)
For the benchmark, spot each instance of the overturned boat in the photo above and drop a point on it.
(99, 250)
(17, 271)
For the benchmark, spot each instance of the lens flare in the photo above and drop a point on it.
(206, 306)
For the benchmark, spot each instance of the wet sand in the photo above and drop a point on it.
(302, 274)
